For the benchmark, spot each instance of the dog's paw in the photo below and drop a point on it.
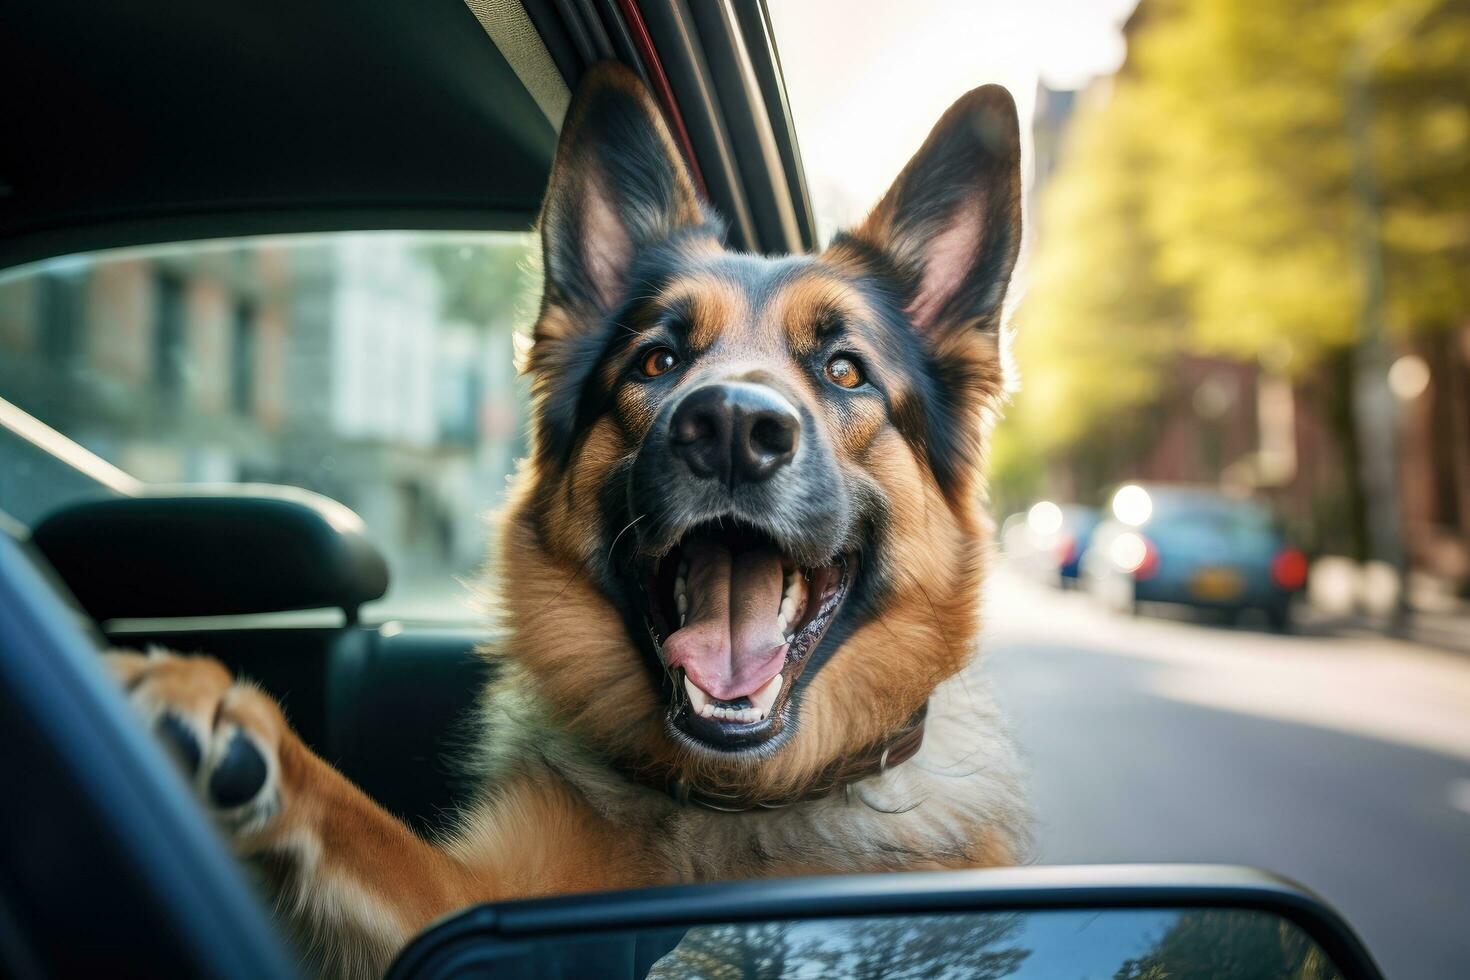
(226, 735)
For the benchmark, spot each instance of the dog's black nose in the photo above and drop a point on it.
(736, 432)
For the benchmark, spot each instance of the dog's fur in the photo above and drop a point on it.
(578, 722)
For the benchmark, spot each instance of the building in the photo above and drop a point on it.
(321, 362)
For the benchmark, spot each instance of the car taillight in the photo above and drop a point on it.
(1150, 562)
(1066, 549)
(1289, 569)
(1135, 554)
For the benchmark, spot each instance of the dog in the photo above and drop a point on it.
(739, 572)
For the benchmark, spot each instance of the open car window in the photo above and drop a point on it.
(376, 369)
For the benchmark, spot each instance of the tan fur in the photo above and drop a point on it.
(800, 307)
(713, 306)
(356, 883)
(574, 710)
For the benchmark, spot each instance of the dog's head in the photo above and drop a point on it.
(750, 527)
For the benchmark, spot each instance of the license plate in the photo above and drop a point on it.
(1217, 584)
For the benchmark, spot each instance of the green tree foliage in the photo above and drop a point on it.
(1253, 202)
(1205, 202)
(1230, 945)
(934, 947)
(1095, 317)
(486, 280)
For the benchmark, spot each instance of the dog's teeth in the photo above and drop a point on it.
(793, 599)
(759, 710)
(681, 602)
(697, 698)
(765, 699)
(781, 622)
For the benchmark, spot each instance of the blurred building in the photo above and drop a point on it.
(322, 363)
(1435, 457)
(1049, 124)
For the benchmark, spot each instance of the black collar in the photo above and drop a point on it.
(902, 746)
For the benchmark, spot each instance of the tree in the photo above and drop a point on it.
(942, 947)
(486, 280)
(1205, 204)
(1097, 327)
(1214, 944)
(1096, 323)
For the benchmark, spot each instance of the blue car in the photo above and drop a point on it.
(1078, 524)
(1196, 547)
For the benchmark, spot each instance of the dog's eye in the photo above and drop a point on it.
(660, 360)
(844, 372)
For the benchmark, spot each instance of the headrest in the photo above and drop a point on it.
(212, 551)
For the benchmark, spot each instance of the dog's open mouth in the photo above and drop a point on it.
(734, 620)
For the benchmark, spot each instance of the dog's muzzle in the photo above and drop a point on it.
(734, 432)
(743, 559)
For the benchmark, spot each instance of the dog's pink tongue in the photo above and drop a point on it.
(730, 645)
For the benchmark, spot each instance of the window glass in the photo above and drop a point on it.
(376, 369)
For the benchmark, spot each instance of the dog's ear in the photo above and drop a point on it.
(617, 185)
(950, 226)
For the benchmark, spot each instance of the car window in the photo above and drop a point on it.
(1224, 516)
(374, 368)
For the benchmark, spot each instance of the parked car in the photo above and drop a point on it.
(1193, 546)
(1047, 541)
(1078, 524)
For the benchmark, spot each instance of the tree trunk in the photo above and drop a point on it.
(1339, 372)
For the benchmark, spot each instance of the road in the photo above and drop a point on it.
(1342, 762)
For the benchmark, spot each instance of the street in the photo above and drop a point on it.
(1341, 762)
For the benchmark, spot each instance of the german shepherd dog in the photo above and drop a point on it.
(739, 573)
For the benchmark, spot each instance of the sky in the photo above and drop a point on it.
(868, 78)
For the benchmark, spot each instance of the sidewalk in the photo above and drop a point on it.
(1333, 674)
(1347, 599)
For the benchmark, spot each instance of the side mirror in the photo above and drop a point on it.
(1122, 922)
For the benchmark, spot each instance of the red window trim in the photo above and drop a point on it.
(661, 88)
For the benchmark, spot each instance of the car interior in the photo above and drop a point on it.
(174, 122)
(436, 115)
